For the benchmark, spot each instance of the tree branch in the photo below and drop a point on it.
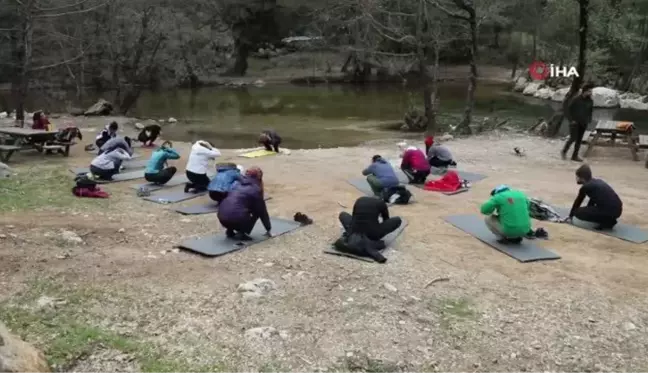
(57, 64)
(46, 15)
(450, 13)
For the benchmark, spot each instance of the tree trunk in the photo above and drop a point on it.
(557, 119)
(464, 126)
(130, 98)
(241, 64)
(24, 54)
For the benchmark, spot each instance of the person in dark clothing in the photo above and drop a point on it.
(270, 140)
(244, 205)
(149, 134)
(604, 206)
(363, 231)
(579, 114)
(106, 134)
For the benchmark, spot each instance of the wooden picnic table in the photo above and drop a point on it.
(607, 132)
(13, 139)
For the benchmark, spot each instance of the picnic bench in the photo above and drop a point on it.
(13, 139)
(610, 133)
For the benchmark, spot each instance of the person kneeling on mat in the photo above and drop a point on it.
(438, 155)
(107, 165)
(156, 171)
(380, 175)
(227, 174)
(117, 142)
(270, 140)
(508, 214)
(244, 205)
(149, 134)
(201, 154)
(106, 134)
(415, 166)
(604, 206)
(363, 231)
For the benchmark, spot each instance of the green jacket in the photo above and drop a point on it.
(512, 206)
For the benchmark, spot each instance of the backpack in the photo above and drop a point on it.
(398, 195)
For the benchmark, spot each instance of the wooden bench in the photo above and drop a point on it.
(6, 151)
(607, 133)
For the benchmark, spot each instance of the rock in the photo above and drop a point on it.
(630, 96)
(256, 288)
(139, 126)
(263, 332)
(3, 115)
(446, 137)
(559, 94)
(635, 104)
(71, 237)
(259, 83)
(544, 93)
(3, 236)
(101, 107)
(628, 326)
(605, 97)
(5, 171)
(390, 287)
(19, 356)
(531, 88)
(520, 84)
(121, 230)
(172, 120)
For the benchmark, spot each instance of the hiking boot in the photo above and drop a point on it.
(576, 159)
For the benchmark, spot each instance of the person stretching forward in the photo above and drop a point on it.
(604, 206)
(512, 222)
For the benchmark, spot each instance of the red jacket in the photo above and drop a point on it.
(448, 183)
(415, 159)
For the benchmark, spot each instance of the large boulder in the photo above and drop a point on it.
(5, 171)
(520, 84)
(605, 97)
(101, 107)
(544, 93)
(531, 88)
(560, 94)
(635, 104)
(19, 356)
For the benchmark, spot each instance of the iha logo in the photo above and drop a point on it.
(539, 70)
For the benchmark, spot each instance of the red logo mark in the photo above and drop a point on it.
(539, 70)
(510, 201)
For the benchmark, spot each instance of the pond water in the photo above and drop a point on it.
(326, 115)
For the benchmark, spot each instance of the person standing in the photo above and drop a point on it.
(579, 115)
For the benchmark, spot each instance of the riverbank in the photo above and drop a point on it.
(123, 299)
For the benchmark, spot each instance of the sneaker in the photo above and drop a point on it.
(187, 188)
(243, 237)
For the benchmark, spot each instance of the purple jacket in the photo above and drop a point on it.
(244, 202)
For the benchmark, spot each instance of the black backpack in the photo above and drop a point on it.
(404, 195)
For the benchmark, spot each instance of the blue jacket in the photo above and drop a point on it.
(225, 178)
(245, 202)
(384, 172)
(159, 158)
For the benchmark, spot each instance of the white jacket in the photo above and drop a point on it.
(199, 158)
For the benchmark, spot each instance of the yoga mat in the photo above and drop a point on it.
(258, 153)
(128, 165)
(218, 244)
(208, 207)
(621, 231)
(124, 176)
(458, 191)
(173, 196)
(525, 252)
(469, 176)
(175, 181)
(388, 239)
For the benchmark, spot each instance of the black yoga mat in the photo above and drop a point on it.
(388, 239)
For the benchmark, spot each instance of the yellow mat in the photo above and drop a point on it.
(258, 153)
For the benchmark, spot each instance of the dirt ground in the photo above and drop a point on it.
(123, 300)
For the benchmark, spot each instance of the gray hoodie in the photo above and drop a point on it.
(114, 143)
(440, 152)
(110, 160)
